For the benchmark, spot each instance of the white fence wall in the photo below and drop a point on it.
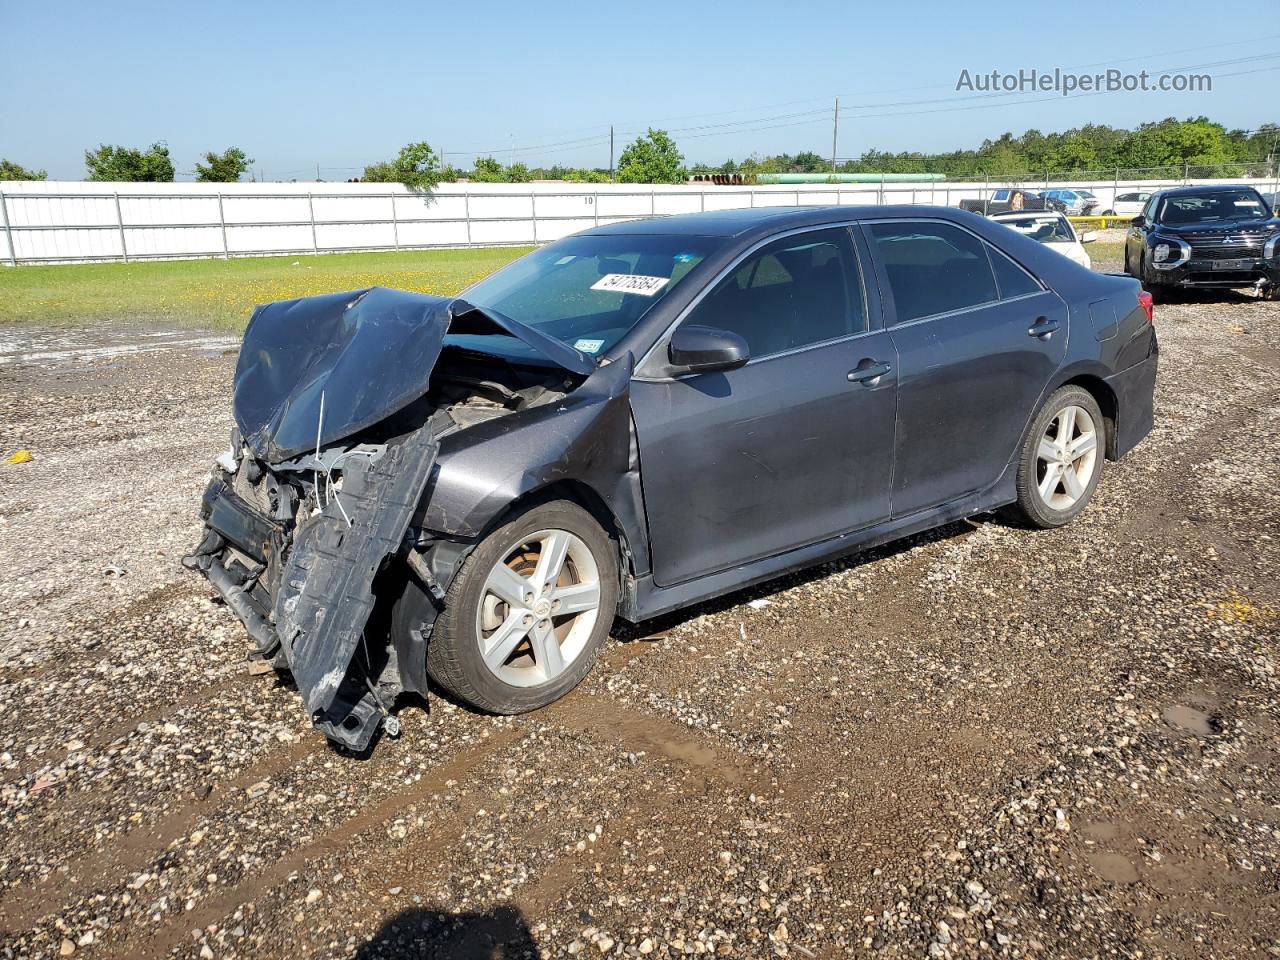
(51, 221)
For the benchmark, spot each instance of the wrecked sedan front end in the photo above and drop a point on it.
(340, 407)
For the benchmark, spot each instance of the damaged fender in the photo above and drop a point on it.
(325, 387)
(585, 438)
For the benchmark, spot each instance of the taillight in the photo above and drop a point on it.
(1148, 304)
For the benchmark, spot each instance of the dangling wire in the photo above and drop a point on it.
(315, 473)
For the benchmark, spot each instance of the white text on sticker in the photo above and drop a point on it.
(630, 283)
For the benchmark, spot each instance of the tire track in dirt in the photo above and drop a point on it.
(106, 736)
(175, 929)
(132, 851)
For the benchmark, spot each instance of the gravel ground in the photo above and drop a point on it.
(980, 741)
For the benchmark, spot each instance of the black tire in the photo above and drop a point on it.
(1108, 213)
(454, 658)
(1030, 507)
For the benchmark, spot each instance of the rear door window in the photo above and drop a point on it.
(932, 268)
(1011, 279)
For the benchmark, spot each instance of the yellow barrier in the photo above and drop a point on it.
(1100, 223)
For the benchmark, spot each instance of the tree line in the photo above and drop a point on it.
(153, 164)
(1164, 148)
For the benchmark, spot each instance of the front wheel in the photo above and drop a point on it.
(1061, 460)
(1108, 213)
(526, 615)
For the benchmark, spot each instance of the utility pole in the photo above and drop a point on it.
(835, 133)
(611, 153)
(317, 172)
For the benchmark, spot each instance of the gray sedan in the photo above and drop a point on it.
(640, 417)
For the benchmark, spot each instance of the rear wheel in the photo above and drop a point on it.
(526, 615)
(1062, 459)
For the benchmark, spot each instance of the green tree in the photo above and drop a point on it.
(417, 166)
(15, 171)
(226, 167)
(127, 165)
(1073, 153)
(487, 170)
(652, 158)
(806, 161)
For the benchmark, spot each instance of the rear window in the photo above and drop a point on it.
(1042, 229)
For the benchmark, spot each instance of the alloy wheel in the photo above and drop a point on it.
(538, 608)
(1066, 458)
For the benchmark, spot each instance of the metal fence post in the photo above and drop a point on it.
(222, 222)
(702, 200)
(311, 215)
(466, 211)
(652, 202)
(533, 213)
(124, 247)
(8, 231)
(881, 194)
(595, 208)
(395, 223)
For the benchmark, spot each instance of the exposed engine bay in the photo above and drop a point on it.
(341, 405)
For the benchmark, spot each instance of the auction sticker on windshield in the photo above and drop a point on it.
(631, 283)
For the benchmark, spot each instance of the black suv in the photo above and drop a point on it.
(1205, 237)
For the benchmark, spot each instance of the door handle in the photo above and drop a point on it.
(1043, 328)
(869, 372)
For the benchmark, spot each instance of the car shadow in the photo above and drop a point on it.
(424, 933)
(628, 632)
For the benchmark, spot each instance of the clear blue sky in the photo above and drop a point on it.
(340, 84)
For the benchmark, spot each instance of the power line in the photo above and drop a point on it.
(599, 138)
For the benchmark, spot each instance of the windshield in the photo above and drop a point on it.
(588, 291)
(1043, 229)
(1211, 207)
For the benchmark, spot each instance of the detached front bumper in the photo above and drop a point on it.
(300, 573)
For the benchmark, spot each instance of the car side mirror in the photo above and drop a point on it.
(1138, 221)
(1089, 236)
(701, 349)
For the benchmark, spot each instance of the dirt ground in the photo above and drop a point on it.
(981, 741)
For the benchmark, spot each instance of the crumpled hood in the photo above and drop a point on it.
(315, 370)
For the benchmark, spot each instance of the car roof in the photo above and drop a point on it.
(1214, 188)
(763, 220)
(1038, 214)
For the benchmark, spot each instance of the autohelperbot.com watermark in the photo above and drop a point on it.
(1065, 82)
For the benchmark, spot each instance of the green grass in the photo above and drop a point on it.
(222, 293)
(1105, 251)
